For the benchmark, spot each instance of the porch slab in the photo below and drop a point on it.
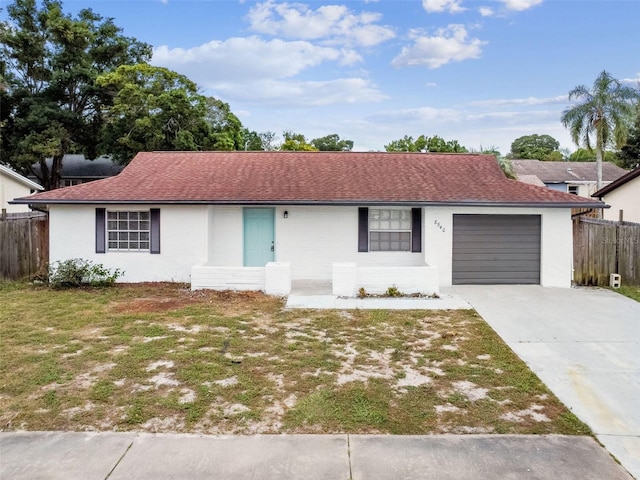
(331, 302)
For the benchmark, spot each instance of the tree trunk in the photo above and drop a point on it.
(598, 168)
(599, 155)
(56, 171)
(44, 178)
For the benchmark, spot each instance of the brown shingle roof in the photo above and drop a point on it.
(562, 172)
(311, 178)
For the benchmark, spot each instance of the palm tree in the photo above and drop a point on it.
(605, 111)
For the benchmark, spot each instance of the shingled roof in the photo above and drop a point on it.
(566, 172)
(311, 178)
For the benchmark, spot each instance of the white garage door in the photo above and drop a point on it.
(496, 249)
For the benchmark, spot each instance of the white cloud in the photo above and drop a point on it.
(474, 125)
(486, 11)
(260, 72)
(333, 24)
(529, 101)
(436, 6)
(302, 94)
(520, 5)
(239, 59)
(634, 81)
(450, 44)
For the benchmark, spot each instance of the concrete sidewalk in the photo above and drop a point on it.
(584, 344)
(120, 456)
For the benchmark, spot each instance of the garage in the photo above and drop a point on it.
(496, 249)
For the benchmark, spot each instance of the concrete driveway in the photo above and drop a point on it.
(584, 344)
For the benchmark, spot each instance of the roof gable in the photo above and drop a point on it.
(311, 178)
(8, 172)
(618, 183)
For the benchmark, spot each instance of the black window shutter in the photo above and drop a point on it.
(363, 229)
(416, 229)
(101, 215)
(155, 231)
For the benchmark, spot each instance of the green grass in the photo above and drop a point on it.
(158, 357)
(629, 291)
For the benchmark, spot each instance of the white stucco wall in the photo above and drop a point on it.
(225, 233)
(626, 198)
(556, 245)
(312, 238)
(11, 188)
(183, 242)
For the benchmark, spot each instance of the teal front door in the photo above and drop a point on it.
(259, 248)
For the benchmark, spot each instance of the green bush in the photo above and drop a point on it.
(77, 272)
(394, 292)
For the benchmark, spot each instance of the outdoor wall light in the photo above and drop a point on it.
(286, 214)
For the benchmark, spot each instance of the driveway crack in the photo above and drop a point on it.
(119, 460)
(349, 456)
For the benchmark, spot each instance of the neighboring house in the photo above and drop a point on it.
(13, 185)
(623, 194)
(578, 178)
(77, 169)
(260, 220)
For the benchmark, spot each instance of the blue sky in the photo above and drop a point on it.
(482, 72)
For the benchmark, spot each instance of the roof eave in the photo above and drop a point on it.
(357, 202)
(617, 183)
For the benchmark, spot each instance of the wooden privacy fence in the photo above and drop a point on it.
(602, 247)
(24, 245)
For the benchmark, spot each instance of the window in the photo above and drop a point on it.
(389, 230)
(128, 231)
(573, 189)
(69, 182)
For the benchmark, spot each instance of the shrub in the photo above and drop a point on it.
(77, 272)
(394, 292)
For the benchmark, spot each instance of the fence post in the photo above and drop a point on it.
(620, 220)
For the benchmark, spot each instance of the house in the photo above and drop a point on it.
(622, 195)
(578, 178)
(78, 169)
(262, 220)
(13, 185)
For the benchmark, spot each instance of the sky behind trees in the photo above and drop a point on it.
(481, 72)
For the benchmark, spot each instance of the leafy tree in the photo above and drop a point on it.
(425, 144)
(155, 108)
(584, 155)
(332, 143)
(269, 141)
(604, 112)
(405, 144)
(51, 102)
(296, 142)
(629, 154)
(439, 144)
(538, 147)
(251, 140)
(226, 128)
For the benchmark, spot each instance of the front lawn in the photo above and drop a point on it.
(160, 358)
